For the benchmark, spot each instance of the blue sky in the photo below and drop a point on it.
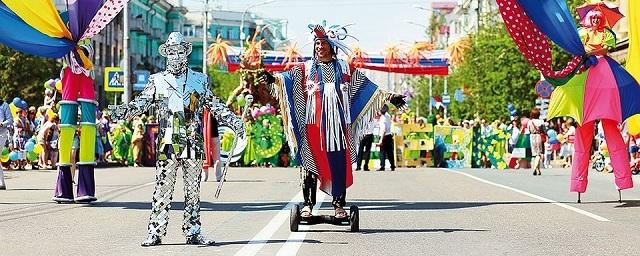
(378, 23)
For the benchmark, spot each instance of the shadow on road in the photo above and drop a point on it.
(30, 189)
(628, 203)
(420, 230)
(410, 230)
(244, 242)
(274, 206)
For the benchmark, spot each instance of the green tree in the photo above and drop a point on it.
(23, 75)
(223, 83)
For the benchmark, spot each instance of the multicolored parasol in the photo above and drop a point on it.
(610, 12)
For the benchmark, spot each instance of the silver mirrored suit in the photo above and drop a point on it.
(178, 97)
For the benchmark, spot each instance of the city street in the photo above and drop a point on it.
(406, 212)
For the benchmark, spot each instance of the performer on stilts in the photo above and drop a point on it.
(592, 87)
(326, 105)
(178, 96)
(78, 95)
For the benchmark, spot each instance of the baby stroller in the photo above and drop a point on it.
(600, 157)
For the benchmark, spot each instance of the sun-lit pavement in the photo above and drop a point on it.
(406, 212)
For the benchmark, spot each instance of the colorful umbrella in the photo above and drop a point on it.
(611, 12)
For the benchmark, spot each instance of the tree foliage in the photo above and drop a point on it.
(223, 83)
(23, 75)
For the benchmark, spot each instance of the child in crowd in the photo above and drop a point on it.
(18, 147)
(548, 152)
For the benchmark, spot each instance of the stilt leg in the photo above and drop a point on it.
(619, 196)
(579, 197)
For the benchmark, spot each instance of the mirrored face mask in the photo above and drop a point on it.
(176, 59)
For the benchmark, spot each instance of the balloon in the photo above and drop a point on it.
(50, 84)
(29, 146)
(23, 105)
(32, 156)
(5, 152)
(4, 159)
(38, 149)
(59, 85)
(13, 156)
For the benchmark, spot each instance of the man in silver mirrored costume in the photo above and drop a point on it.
(178, 96)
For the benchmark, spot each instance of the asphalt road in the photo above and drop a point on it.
(406, 212)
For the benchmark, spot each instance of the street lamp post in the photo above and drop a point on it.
(205, 40)
(242, 35)
(126, 97)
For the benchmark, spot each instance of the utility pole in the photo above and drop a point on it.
(205, 42)
(126, 97)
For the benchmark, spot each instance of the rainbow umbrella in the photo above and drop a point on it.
(36, 27)
(611, 12)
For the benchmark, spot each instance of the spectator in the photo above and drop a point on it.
(386, 139)
(136, 143)
(105, 127)
(49, 98)
(52, 137)
(5, 122)
(364, 149)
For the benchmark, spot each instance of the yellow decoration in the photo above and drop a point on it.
(217, 53)
(358, 57)
(41, 15)
(392, 55)
(4, 159)
(253, 54)
(458, 49)
(415, 53)
(292, 55)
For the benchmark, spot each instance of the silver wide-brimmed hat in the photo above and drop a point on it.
(175, 39)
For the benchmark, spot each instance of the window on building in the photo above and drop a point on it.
(198, 31)
(224, 33)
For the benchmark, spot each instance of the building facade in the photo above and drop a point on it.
(468, 15)
(227, 24)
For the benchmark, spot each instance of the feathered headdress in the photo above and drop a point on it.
(334, 35)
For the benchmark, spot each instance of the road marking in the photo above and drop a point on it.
(293, 243)
(568, 207)
(259, 240)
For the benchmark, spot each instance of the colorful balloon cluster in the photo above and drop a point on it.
(32, 150)
(53, 84)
